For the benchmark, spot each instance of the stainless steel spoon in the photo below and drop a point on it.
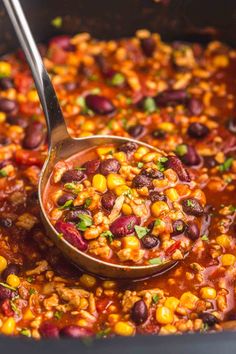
(62, 146)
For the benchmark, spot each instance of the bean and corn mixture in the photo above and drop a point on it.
(179, 98)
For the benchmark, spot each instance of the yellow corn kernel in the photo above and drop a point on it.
(105, 150)
(188, 300)
(171, 175)
(99, 183)
(208, 293)
(124, 328)
(88, 126)
(114, 180)
(2, 117)
(164, 315)
(87, 280)
(150, 156)
(126, 209)
(13, 280)
(109, 284)
(113, 318)
(167, 127)
(28, 315)
(82, 323)
(227, 259)
(8, 327)
(83, 303)
(122, 189)
(131, 242)
(33, 96)
(172, 194)
(169, 329)
(223, 241)
(158, 208)
(5, 69)
(3, 264)
(172, 303)
(140, 152)
(221, 61)
(120, 156)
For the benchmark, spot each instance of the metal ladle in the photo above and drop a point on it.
(62, 146)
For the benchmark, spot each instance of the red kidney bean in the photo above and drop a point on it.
(11, 269)
(6, 83)
(129, 147)
(175, 164)
(192, 231)
(191, 206)
(91, 166)
(6, 222)
(73, 176)
(100, 104)
(171, 98)
(141, 181)
(178, 227)
(124, 225)
(195, 106)
(5, 293)
(136, 130)
(159, 134)
(108, 200)
(73, 215)
(6, 309)
(197, 130)
(150, 241)
(63, 42)
(71, 235)
(231, 125)
(156, 196)
(109, 166)
(73, 331)
(148, 46)
(208, 318)
(139, 312)
(191, 157)
(16, 120)
(152, 173)
(34, 136)
(8, 106)
(65, 197)
(49, 330)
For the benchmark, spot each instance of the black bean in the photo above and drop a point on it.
(178, 227)
(16, 120)
(209, 161)
(65, 197)
(159, 134)
(231, 125)
(109, 166)
(11, 269)
(148, 46)
(73, 176)
(108, 200)
(191, 206)
(192, 231)
(73, 215)
(8, 106)
(100, 104)
(150, 241)
(171, 98)
(152, 173)
(139, 312)
(124, 225)
(49, 330)
(208, 318)
(73, 331)
(34, 136)
(91, 166)
(198, 130)
(128, 147)
(6, 222)
(141, 181)
(156, 196)
(175, 164)
(6, 83)
(136, 130)
(195, 106)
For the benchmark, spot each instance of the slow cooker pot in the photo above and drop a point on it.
(174, 19)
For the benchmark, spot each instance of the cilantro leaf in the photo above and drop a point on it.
(88, 202)
(67, 205)
(161, 163)
(141, 231)
(181, 149)
(155, 298)
(149, 105)
(156, 260)
(3, 173)
(108, 234)
(85, 222)
(224, 167)
(117, 79)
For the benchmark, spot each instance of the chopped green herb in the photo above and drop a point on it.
(226, 165)
(67, 205)
(108, 234)
(161, 163)
(129, 100)
(157, 222)
(30, 279)
(32, 291)
(110, 124)
(80, 101)
(25, 332)
(57, 22)
(155, 298)
(3, 173)
(190, 203)
(181, 149)
(58, 315)
(117, 79)
(7, 286)
(73, 187)
(103, 333)
(85, 222)
(156, 260)
(205, 238)
(232, 208)
(140, 164)
(124, 123)
(87, 202)
(149, 105)
(141, 231)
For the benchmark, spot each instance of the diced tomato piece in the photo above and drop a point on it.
(29, 158)
(103, 304)
(23, 82)
(6, 308)
(30, 108)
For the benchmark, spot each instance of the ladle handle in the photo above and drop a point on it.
(55, 122)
